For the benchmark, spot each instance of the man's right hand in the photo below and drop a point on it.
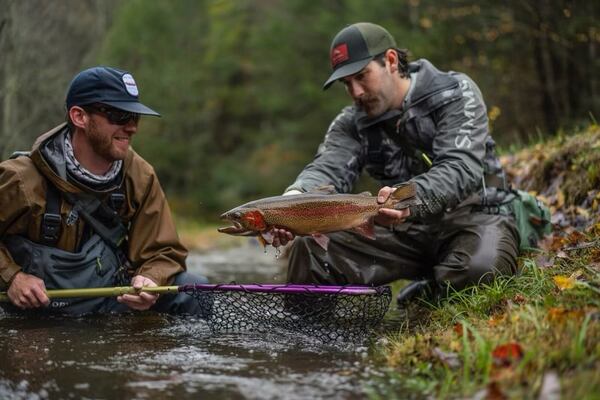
(281, 237)
(27, 291)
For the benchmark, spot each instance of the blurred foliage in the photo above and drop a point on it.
(238, 82)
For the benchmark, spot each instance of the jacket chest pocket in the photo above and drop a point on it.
(423, 133)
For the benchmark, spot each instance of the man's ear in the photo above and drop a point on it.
(391, 59)
(79, 117)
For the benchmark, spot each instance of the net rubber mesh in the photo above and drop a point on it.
(328, 314)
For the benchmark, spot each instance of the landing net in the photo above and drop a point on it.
(323, 313)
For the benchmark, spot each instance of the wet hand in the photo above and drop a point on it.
(389, 216)
(27, 291)
(143, 300)
(281, 237)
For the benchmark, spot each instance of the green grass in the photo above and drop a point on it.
(556, 329)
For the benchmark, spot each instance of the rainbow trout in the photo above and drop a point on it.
(313, 213)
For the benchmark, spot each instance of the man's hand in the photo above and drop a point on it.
(281, 237)
(389, 216)
(27, 291)
(143, 300)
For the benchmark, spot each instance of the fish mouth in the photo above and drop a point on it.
(235, 229)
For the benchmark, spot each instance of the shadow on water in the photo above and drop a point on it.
(145, 355)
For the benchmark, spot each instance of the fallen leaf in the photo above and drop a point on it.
(575, 237)
(564, 282)
(595, 255)
(560, 315)
(496, 320)
(543, 261)
(562, 254)
(519, 298)
(560, 199)
(507, 354)
(458, 328)
(494, 392)
(449, 359)
(582, 211)
(550, 387)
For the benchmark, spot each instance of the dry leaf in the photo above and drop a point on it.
(458, 328)
(519, 299)
(564, 282)
(560, 315)
(562, 254)
(575, 237)
(451, 360)
(543, 261)
(507, 354)
(496, 320)
(494, 392)
(550, 387)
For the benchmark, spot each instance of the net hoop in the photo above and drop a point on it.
(350, 290)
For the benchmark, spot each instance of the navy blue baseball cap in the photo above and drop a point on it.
(106, 85)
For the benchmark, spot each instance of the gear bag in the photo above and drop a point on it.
(532, 217)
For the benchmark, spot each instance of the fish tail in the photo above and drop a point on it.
(405, 191)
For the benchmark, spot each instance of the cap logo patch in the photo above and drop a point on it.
(339, 54)
(130, 85)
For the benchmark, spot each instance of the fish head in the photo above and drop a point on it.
(244, 220)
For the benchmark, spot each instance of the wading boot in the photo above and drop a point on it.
(426, 289)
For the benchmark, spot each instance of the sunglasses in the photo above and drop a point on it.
(113, 115)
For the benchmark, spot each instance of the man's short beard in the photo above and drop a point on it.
(368, 103)
(102, 144)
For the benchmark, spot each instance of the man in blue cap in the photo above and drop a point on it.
(85, 210)
(410, 124)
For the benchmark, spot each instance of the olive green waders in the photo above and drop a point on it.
(461, 249)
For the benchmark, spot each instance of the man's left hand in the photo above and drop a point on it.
(143, 300)
(390, 216)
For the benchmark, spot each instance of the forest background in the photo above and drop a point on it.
(238, 82)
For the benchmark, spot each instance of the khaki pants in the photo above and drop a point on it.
(461, 249)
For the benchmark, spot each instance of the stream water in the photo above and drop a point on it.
(147, 355)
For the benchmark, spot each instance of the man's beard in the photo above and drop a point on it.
(371, 104)
(103, 145)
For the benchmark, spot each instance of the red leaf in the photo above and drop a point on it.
(507, 354)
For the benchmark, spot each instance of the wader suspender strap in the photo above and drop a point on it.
(51, 220)
(112, 236)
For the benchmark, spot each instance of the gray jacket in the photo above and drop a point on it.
(443, 117)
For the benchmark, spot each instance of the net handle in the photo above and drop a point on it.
(101, 292)
(264, 288)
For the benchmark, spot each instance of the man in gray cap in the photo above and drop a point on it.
(85, 210)
(410, 124)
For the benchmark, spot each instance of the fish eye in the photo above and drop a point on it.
(237, 215)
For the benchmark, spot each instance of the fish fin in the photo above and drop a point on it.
(405, 191)
(325, 189)
(267, 237)
(366, 229)
(262, 241)
(322, 240)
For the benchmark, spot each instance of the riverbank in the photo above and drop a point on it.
(202, 238)
(536, 335)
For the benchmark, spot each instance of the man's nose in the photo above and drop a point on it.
(355, 89)
(131, 126)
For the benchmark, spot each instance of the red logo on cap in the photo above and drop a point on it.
(339, 54)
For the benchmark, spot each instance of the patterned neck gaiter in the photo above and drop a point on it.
(82, 174)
